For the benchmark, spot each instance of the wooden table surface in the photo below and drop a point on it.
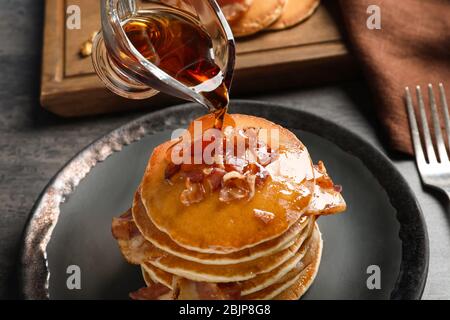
(34, 144)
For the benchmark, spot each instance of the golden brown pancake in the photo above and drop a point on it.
(265, 280)
(257, 283)
(230, 227)
(262, 13)
(289, 287)
(296, 282)
(294, 12)
(306, 277)
(157, 275)
(223, 273)
(163, 241)
(234, 9)
(147, 277)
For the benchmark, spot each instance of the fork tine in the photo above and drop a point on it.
(426, 130)
(446, 112)
(418, 151)
(442, 151)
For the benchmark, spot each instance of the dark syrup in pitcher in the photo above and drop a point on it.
(182, 49)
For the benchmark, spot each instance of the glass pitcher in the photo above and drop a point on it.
(126, 72)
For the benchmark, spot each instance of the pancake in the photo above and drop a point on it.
(157, 275)
(163, 241)
(138, 251)
(294, 12)
(234, 9)
(296, 282)
(262, 13)
(292, 285)
(231, 227)
(148, 279)
(306, 278)
(223, 273)
(265, 280)
(247, 287)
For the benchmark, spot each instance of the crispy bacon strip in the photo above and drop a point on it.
(154, 292)
(123, 227)
(327, 198)
(192, 290)
(238, 170)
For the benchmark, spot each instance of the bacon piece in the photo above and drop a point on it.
(214, 178)
(325, 202)
(264, 216)
(235, 164)
(193, 193)
(235, 172)
(132, 244)
(327, 198)
(192, 290)
(195, 176)
(251, 181)
(171, 170)
(237, 186)
(322, 177)
(232, 176)
(153, 292)
(123, 227)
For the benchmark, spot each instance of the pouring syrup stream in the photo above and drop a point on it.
(184, 50)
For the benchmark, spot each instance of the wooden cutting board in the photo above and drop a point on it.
(309, 53)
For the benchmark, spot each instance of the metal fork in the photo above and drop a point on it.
(434, 168)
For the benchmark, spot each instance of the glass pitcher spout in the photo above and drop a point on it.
(185, 50)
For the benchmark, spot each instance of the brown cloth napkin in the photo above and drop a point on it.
(411, 48)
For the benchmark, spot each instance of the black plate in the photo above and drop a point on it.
(383, 225)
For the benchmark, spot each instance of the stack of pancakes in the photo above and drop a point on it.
(268, 247)
(248, 17)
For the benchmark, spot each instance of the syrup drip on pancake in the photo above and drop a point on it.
(238, 166)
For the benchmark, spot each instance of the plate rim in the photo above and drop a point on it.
(34, 275)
